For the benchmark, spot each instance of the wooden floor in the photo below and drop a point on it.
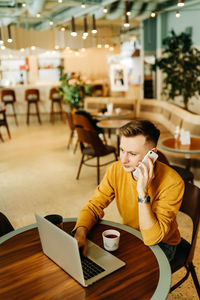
(37, 174)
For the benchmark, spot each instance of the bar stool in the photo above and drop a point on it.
(32, 96)
(55, 98)
(3, 121)
(8, 98)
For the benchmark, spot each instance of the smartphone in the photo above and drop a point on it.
(153, 157)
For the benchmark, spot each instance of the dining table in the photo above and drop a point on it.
(188, 151)
(27, 273)
(116, 113)
(115, 125)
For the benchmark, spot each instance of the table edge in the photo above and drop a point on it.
(164, 282)
(160, 143)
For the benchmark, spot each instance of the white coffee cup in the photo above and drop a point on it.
(111, 239)
(118, 110)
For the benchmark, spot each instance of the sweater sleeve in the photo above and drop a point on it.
(165, 206)
(94, 209)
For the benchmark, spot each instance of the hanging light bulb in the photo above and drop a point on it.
(1, 38)
(38, 15)
(153, 14)
(126, 23)
(59, 1)
(105, 10)
(85, 33)
(83, 4)
(94, 29)
(24, 4)
(9, 34)
(51, 23)
(73, 32)
(180, 3)
(178, 14)
(62, 29)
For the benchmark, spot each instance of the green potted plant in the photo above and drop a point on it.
(73, 90)
(181, 65)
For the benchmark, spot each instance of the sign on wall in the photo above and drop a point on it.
(118, 78)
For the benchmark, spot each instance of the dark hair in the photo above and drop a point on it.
(141, 127)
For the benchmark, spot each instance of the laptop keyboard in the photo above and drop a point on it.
(90, 268)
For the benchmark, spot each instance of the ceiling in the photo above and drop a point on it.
(13, 12)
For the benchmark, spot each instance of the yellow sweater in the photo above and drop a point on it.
(166, 192)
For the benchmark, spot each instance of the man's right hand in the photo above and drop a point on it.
(80, 236)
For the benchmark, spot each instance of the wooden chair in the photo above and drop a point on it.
(92, 146)
(5, 225)
(55, 99)
(8, 98)
(84, 119)
(185, 250)
(186, 174)
(3, 122)
(32, 96)
(72, 128)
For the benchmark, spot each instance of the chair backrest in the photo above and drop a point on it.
(53, 94)
(162, 157)
(8, 95)
(81, 120)
(5, 225)
(91, 137)
(191, 207)
(32, 94)
(70, 120)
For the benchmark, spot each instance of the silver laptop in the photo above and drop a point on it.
(63, 249)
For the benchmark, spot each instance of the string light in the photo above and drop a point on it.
(85, 33)
(73, 32)
(126, 23)
(59, 1)
(23, 4)
(105, 10)
(180, 3)
(9, 34)
(94, 29)
(153, 14)
(51, 23)
(38, 15)
(83, 4)
(178, 14)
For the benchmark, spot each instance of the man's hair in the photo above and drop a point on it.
(141, 127)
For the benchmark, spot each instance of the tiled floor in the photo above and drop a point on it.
(37, 174)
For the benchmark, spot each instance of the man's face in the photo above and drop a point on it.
(132, 151)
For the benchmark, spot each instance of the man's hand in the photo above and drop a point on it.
(146, 174)
(80, 236)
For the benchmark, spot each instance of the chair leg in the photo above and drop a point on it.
(70, 139)
(51, 113)
(28, 113)
(98, 171)
(14, 113)
(38, 113)
(1, 138)
(180, 281)
(76, 146)
(61, 111)
(80, 166)
(195, 279)
(6, 124)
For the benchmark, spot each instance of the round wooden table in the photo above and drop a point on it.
(113, 124)
(27, 273)
(114, 115)
(172, 145)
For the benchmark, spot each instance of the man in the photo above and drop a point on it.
(150, 203)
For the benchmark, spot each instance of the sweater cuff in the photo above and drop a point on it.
(85, 221)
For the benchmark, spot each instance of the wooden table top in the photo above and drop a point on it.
(171, 144)
(113, 115)
(112, 124)
(26, 273)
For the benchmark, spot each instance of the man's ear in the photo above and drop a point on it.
(155, 149)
